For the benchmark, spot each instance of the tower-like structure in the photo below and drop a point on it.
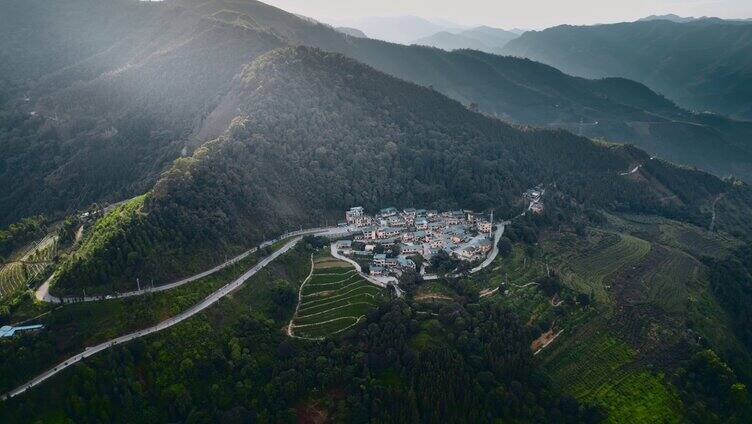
(490, 231)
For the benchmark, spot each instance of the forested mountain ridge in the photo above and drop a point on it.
(702, 64)
(95, 115)
(310, 133)
(528, 92)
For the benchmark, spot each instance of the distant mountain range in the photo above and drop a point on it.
(704, 65)
(398, 29)
(483, 38)
(681, 19)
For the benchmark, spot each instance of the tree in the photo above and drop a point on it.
(550, 285)
(583, 299)
(505, 247)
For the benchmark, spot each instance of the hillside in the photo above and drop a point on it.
(353, 32)
(483, 38)
(447, 41)
(310, 133)
(701, 64)
(101, 121)
(529, 93)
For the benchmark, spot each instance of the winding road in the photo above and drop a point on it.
(379, 281)
(489, 259)
(43, 292)
(208, 301)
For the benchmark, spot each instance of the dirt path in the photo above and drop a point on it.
(488, 292)
(300, 299)
(544, 340)
(432, 296)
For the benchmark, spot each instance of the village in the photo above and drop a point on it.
(411, 235)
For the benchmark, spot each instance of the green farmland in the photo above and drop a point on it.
(332, 299)
(15, 275)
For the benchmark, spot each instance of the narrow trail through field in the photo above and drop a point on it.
(300, 299)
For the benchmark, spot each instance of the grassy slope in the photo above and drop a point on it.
(592, 359)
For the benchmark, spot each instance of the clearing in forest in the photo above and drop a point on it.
(332, 299)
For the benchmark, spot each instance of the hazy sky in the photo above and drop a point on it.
(533, 14)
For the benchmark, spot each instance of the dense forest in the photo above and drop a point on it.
(311, 133)
(89, 115)
(405, 363)
(21, 233)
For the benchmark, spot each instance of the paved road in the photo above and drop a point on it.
(379, 281)
(43, 292)
(489, 259)
(210, 300)
(495, 251)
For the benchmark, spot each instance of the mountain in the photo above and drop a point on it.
(494, 37)
(352, 32)
(397, 29)
(483, 38)
(703, 64)
(447, 41)
(101, 123)
(680, 19)
(307, 133)
(669, 17)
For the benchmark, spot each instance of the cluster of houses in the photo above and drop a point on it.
(534, 196)
(462, 234)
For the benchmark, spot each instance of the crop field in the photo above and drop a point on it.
(16, 275)
(595, 366)
(586, 266)
(639, 397)
(670, 278)
(584, 363)
(696, 241)
(517, 269)
(332, 299)
(434, 291)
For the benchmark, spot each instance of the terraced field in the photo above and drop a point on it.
(594, 366)
(639, 398)
(585, 363)
(696, 241)
(16, 275)
(586, 267)
(332, 299)
(669, 281)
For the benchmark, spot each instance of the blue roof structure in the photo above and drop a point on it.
(8, 331)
